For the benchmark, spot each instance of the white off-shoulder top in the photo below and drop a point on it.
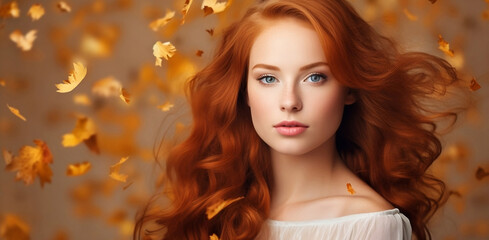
(388, 224)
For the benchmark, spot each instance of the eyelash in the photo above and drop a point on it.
(323, 76)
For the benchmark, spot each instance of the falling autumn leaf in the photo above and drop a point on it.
(350, 188)
(9, 10)
(163, 50)
(213, 237)
(84, 129)
(73, 79)
(474, 86)
(185, 9)
(481, 173)
(432, 1)
(82, 99)
(125, 96)
(165, 107)
(114, 171)
(214, 209)
(36, 12)
(444, 46)
(2, 83)
(158, 23)
(409, 15)
(23, 42)
(199, 53)
(212, 6)
(63, 6)
(78, 169)
(210, 31)
(16, 112)
(107, 87)
(32, 161)
(14, 228)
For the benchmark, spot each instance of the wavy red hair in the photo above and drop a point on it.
(387, 137)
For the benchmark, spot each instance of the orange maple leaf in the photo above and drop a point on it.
(215, 208)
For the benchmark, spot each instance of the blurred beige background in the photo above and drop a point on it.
(114, 39)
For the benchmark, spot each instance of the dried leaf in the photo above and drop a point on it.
(199, 53)
(409, 15)
(185, 9)
(84, 129)
(350, 188)
(82, 99)
(165, 107)
(78, 169)
(213, 237)
(14, 228)
(36, 12)
(63, 6)
(114, 171)
(214, 209)
(158, 23)
(474, 86)
(212, 6)
(32, 161)
(10, 9)
(96, 46)
(444, 46)
(125, 96)
(210, 31)
(163, 50)
(481, 173)
(107, 87)
(23, 42)
(16, 112)
(74, 78)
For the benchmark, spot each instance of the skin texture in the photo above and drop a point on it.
(289, 80)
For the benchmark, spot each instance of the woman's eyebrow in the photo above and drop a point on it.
(275, 68)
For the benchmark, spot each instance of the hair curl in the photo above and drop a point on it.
(387, 137)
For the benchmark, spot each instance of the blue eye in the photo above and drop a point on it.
(316, 77)
(267, 79)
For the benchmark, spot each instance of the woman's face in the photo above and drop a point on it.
(296, 103)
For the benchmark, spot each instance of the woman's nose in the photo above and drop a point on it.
(290, 99)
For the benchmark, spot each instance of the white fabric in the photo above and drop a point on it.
(388, 224)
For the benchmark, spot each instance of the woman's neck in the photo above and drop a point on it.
(301, 178)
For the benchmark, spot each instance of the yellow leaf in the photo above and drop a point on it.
(107, 87)
(158, 23)
(94, 46)
(9, 10)
(32, 161)
(350, 188)
(444, 46)
(213, 237)
(78, 169)
(84, 129)
(2, 83)
(163, 50)
(36, 12)
(63, 6)
(165, 107)
(185, 9)
(214, 209)
(13, 228)
(125, 96)
(114, 171)
(23, 42)
(82, 99)
(16, 112)
(409, 15)
(73, 79)
(212, 6)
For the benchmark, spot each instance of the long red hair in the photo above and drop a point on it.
(387, 137)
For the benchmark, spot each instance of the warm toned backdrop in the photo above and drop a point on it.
(114, 40)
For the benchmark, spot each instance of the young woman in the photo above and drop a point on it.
(315, 125)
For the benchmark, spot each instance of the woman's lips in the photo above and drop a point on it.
(290, 128)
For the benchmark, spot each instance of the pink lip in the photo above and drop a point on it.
(290, 128)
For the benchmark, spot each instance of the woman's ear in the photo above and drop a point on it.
(350, 97)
